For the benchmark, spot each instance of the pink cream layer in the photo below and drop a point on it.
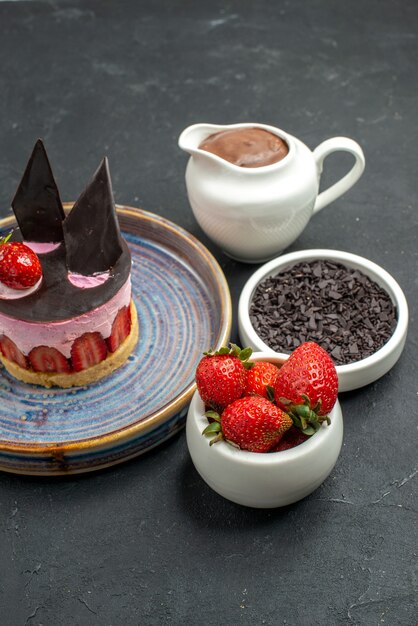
(42, 248)
(60, 335)
(88, 282)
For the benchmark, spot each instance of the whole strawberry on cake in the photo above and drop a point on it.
(67, 317)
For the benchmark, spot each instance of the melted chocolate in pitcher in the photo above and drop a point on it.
(246, 147)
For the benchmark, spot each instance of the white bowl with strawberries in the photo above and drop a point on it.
(264, 431)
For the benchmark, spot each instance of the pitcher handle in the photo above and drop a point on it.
(337, 189)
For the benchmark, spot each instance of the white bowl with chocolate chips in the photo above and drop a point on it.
(349, 305)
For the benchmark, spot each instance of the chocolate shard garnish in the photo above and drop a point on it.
(91, 230)
(37, 203)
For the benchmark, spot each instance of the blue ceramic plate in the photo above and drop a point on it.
(184, 308)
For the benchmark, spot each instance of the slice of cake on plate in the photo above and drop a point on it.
(67, 317)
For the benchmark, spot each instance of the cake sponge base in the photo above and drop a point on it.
(88, 376)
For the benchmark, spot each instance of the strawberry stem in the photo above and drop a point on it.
(305, 418)
(242, 354)
(216, 439)
(6, 238)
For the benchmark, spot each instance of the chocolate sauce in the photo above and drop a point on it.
(246, 147)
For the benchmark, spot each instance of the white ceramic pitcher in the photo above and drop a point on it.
(253, 214)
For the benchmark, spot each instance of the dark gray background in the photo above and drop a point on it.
(147, 542)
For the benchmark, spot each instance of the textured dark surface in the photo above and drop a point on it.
(147, 542)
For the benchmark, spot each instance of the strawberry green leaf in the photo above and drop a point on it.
(302, 410)
(213, 415)
(295, 419)
(6, 238)
(317, 407)
(270, 393)
(212, 428)
(245, 354)
(224, 350)
(309, 431)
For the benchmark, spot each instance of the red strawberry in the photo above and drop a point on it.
(220, 376)
(47, 359)
(88, 350)
(252, 423)
(260, 379)
(10, 350)
(292, 438)
(121, 328)
(19, 265)
(307, 386)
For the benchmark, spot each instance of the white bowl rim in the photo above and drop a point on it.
(389, 284)
(266, 459)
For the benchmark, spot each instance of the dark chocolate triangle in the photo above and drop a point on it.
(91, 230)
(37, 204)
